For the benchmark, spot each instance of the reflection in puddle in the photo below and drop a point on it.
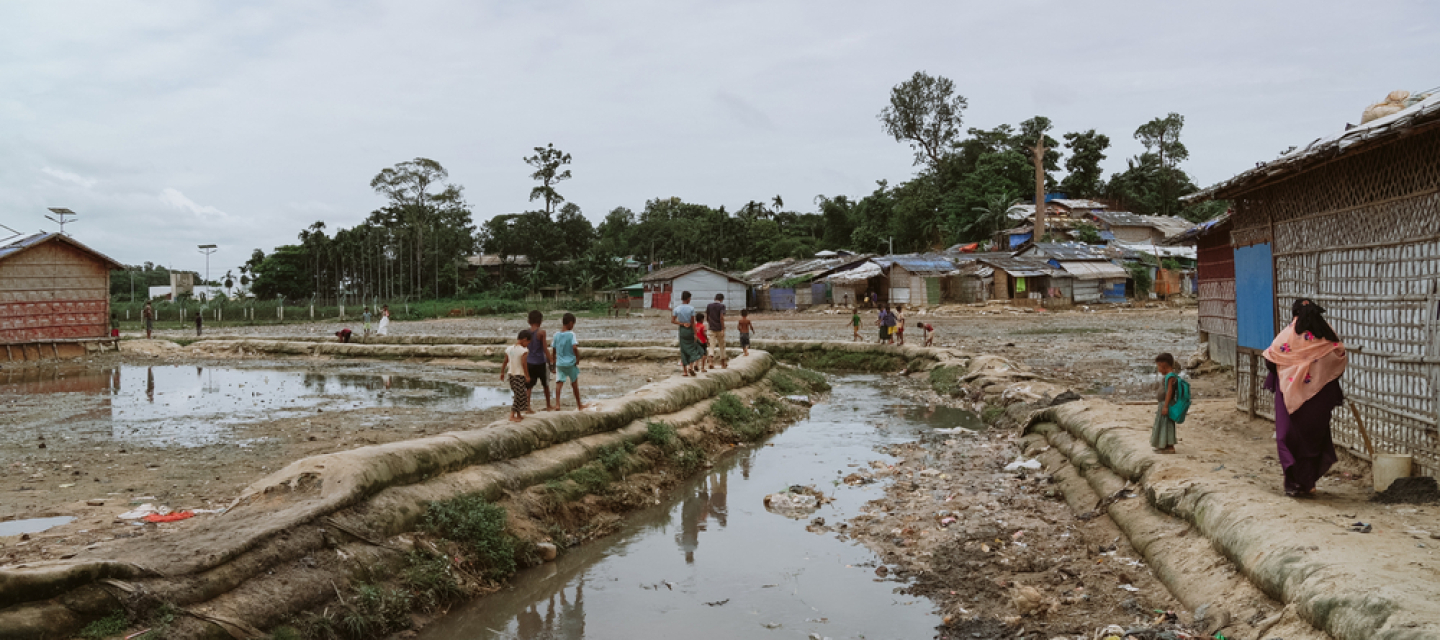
(32, 525)
(192, 405)
(711, 562)
(940, 417)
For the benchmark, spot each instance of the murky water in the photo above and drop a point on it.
(184, 405)
(32, 525)
(711, 562)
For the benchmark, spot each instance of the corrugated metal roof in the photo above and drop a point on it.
(495, 260)
(1018, 267)
(671, 273)
(1071, 251)
(1200, 230)
(1077, 203)
(919, 264)
(1121, 218)
(1087, 270)
(38, 239)
(1367, 135)
(769, 270)
(858, 274)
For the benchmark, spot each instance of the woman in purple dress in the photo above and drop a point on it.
(1305, 362)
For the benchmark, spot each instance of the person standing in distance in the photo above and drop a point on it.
(715, 321)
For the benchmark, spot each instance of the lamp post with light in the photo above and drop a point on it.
(207, 249)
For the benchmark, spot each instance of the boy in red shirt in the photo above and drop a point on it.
(704, 344)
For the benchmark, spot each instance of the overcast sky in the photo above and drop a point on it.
(171, 124)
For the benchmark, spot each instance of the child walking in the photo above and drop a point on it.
(855, 325)
(900, 323)
(565, 351)
(704, 341)
(515, 371)
(746, 326)
(539, 361)
(1162, 435)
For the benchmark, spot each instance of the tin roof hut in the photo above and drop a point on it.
(54, 297)
(1351, 221)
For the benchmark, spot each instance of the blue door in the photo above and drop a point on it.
(1255, 296)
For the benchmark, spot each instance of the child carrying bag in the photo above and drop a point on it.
(1181, 404)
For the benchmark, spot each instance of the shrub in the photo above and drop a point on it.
(1140, 274)
(111, 625)
(660, 434)
(432, 579)
(688, 459)
(731, 410)
(992, 413)
(784, 384)
(615, 458)
(477, 525)
(377, 611)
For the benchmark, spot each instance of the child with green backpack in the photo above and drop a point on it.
(1174, 400)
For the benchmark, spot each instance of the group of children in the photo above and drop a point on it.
(892, 326)
(528, 362)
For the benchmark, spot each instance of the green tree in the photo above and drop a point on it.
(1161, 137)
(926, 112)
(1087, 151)
(838, 213)
(993, 216)
(1023, 142)
(547, 162)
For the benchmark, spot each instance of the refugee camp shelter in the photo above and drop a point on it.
(1133, 227)
(664, 286)
(1351, 221)
(855, 281)
(1215, 272)
(54, 297)
(1097, 278)
(1020, 278)
(916, 280)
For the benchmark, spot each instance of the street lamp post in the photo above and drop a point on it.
(59, 217)
(207, 249)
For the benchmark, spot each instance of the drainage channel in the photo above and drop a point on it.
(711, 562)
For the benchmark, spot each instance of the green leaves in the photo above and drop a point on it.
(926, 112)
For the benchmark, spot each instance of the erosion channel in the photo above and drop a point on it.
(710, 561)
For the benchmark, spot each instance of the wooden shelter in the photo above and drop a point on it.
(1215, 275)
(54, 297)
(1351, 221)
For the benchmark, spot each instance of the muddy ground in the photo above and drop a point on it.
(1106, 350)
(63, 456)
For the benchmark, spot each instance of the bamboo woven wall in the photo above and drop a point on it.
(53, 292)
(1361, 236)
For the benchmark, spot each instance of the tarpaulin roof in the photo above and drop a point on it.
(1094, 270)
(858, 274)
(1018, 267)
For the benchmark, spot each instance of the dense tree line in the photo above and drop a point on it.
(966, 181)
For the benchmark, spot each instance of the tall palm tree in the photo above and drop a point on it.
(989, 218)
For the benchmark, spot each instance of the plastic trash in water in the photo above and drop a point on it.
(1031, 464)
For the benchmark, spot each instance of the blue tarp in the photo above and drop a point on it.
(1254, 296)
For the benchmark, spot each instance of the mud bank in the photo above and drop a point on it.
(1191, 523)
(214, 567)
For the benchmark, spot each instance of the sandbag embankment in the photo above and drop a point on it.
(1292, 550)
(314, 487)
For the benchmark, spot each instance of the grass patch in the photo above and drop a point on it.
(946, 380)
(616, 458)
(843, 361)
(660, 434)
(432, 580)
(376, 611)
(477, 525)
(286, 632)
(992, 413)
(749, 423)
(813, 379)
(111, 625)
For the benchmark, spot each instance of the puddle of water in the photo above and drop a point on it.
(32, 525)
(666, 572)
(939, 417)
(195, 405)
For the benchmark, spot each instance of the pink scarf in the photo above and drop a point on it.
(1305, 364)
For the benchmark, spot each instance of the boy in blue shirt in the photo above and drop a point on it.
(565, 352)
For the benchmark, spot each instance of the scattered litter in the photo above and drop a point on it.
(796, 501)
(770, 625)
(1360, 527)
(1131, 588)
(957, 430)
(717, 603)
(1032, 464)
(141, 511)
(169, 517)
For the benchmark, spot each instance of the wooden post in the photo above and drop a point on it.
(1364, 435)
(1038, 231)
(1254, 383)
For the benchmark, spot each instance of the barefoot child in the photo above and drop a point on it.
(517, 374)
(745, 328)
(900, 323)
(565, 352)
(1162, 434)
(704, 340)
(539, 360)
(855, 325)
(929, 332)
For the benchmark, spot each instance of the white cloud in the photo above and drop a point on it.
(177, 200)
(67, 176)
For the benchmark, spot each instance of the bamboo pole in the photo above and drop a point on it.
(1364, 435)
